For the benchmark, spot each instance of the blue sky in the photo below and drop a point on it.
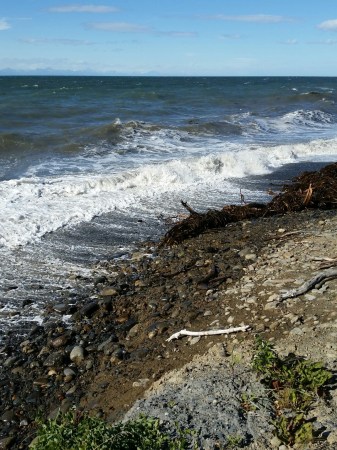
(169, 37)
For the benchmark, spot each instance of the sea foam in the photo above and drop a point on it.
(33, 206)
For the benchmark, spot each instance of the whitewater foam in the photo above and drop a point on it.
(31, 207)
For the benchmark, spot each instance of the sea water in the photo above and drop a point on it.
(90, 165)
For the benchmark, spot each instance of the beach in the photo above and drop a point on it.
(94, 172)
(120, 332)
(90, 166)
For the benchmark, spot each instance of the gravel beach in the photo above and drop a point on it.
(109, 353)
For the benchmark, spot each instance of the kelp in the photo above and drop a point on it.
(310, 190)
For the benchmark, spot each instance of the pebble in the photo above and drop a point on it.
(133, 332)
(194, 340)
(77, 354)
(296, 331)
(6, 442)
(68, 374)
(60, 308)
(141, 382)
(109, 292)
(270, 305)
(60, 341)
(54, 359)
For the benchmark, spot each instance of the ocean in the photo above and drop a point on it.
(90, 166)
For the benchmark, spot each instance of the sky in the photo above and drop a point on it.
(169, 37)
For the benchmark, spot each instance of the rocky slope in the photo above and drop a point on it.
(114, 347)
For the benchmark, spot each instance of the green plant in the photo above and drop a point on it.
(294, 430)
(233, 441)
(76, 431)
(294, 383)
(249, 402)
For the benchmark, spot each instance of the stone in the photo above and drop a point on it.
(272, 298)
(60, 308)
(140, 383)
(133, 332)
(9, 362)
(270, 305)
(6, 442)
(68, 374)
(89, 309)
(296, 331)
(250, 257)
(54, 359)
(60, 341)
(194, 340)
(77, 354)
(41, 382)
(108, 292)
(7, 416)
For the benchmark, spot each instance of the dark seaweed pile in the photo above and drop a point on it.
(310, 190)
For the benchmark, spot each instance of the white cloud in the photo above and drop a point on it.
(254, 18)
(330, 25)
(65, 41)
(231, 36)
(179, 33)
(119, 27)
(83, 9)
(4, 25)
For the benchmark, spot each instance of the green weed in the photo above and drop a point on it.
(295, 384)
(75, 431)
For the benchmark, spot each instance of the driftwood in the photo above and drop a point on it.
(309, 190)
(321, 277)
(206, 333)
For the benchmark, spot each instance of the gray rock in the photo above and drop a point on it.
(54, 359)
(109, 292)
(77, 354)
(6, 442)
(209, 402)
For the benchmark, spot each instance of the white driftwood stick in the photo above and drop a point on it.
(321, 276)
(206, 333)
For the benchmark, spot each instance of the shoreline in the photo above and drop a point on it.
(120, 332)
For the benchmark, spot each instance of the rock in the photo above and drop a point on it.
(77, 354)
(140, 383)
(296, 331)
(68, 374)
(54, 359)
(60, 341)
(275, 442)
(6, 442)
(8, 416)
(272, 298)
(60, 308)
(109, 292)
(270, 305)
(133, 332)
(41, 382)
(194, 340)
(9, 362)
(152, 334)
(89, 309)
(250, 257)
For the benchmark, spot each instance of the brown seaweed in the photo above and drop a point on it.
(310, 190)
